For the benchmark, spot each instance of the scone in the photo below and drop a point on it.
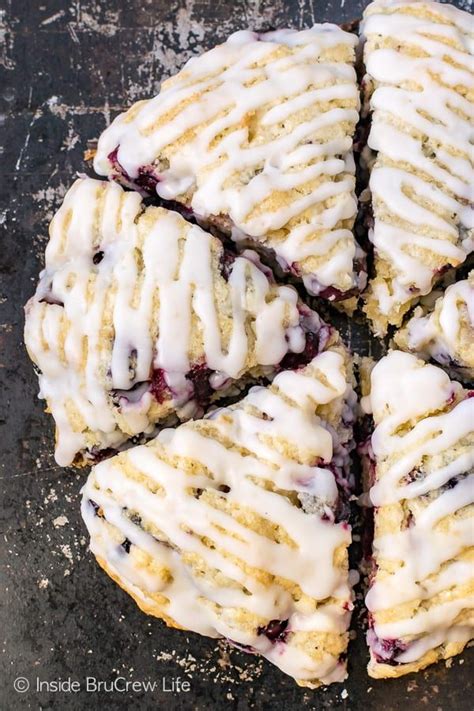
(235, 525)
(420, 83)
(140, 316)
(255, 137)
(446, 332)
(419, 461)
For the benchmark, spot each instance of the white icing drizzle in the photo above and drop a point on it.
(422, 426)
(243, 129)
(441, 333)
(152, 301)
(423, 180)
(273, 435)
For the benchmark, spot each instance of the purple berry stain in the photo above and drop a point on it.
(158, 386)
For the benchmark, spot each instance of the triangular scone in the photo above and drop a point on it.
(446, 332)
(255, 136)
(236, 525)
(420, 461)
(420, 80)
(140, 315)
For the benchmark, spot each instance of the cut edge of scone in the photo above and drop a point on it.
(208, 526)
(267, 160)
(421, 581)
(444, 332)
(141, 318)
(421, 174)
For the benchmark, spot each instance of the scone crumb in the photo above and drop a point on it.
(60, 521)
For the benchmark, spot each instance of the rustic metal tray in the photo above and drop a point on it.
(69, 67)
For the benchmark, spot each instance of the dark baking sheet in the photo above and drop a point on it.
(67, 68)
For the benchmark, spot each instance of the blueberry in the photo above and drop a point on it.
(275, 631)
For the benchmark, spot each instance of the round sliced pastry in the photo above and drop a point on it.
(140, 317)
(419, 465)
(255, 137)
(235, 525)
(419, 85)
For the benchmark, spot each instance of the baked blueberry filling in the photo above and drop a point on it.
(205, 381)
(226, 263)
(331, 293)
(94, 455)
(385, 651)
(158, 386)
(199, 377)
(275, 631)
(442, 270)
(126, 543)
(314, 344)
(147, 180)
(98, 257)
(113, 159)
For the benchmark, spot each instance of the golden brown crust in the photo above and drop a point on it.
(387, 671)
(147, 607)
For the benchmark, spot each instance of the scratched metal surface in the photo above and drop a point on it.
(67, 68)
